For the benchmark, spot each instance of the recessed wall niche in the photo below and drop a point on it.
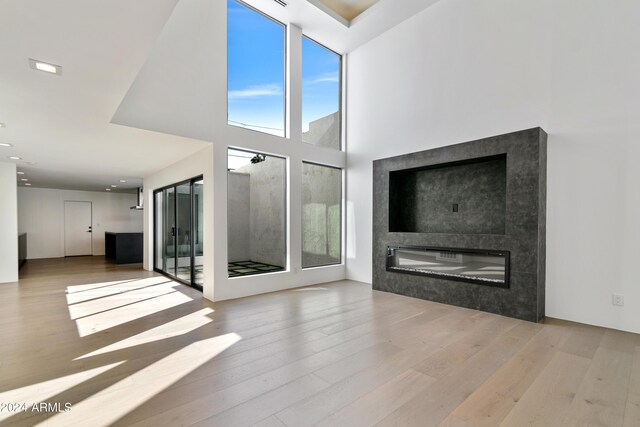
(458, 197)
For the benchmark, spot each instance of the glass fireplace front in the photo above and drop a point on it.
(484, 267)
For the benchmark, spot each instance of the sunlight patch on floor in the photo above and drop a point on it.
(95, 286)
(110, 404)
(171, 329)
(107, 313)
(309, 289)
(78, 294)
(45, 390)
(120, 299)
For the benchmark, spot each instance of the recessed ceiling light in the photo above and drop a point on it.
(24, 179)
(108, 189)
(45, 66)
(123, 180)
(20, 173)
(27, 184)
(2, 125)
(15, 158)
(113, 186)
(5, 144)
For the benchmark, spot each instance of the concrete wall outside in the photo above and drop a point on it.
(257, 212)
(321, 215)
(238, 217)
(324, 131)
(267, 217)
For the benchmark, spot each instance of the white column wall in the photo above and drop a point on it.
(8, 223)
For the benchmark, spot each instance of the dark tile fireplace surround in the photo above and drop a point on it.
(465, 224)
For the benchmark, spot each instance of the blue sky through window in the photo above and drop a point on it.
(255, 70)
(256, 75)
(320, 82)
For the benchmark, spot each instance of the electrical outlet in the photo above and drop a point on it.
(618, 300)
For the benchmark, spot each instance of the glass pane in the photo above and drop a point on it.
(320, 95)
(486, 267)
(321, 215)
(198, 218)
(159, 231)
(183, 231)
(255, 54)
(169, 232)
(256, 213)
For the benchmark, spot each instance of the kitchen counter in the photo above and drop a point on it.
(123, 248)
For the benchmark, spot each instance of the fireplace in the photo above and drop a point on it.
(465, 224)
(484, 267)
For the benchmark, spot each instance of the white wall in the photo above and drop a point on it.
(464, 69)
(8, 223)
(41, 216)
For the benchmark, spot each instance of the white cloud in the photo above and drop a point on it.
(255, 91)
(326, 78)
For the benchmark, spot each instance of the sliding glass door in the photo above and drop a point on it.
(158, 235)
(198, 209)
(169, 232)
(183, 231)
(178, 232)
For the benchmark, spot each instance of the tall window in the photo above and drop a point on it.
(320, 95)
(256, 213)
(321, 215)
(256, 58)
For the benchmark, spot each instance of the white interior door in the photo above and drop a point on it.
(77, 228)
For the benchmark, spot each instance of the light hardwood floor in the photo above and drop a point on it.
(128, 347)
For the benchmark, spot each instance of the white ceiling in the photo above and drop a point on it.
(63, 124)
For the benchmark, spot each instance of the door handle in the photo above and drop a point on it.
(173, 231)
(88, 231)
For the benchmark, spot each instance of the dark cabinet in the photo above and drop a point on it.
(123, 248)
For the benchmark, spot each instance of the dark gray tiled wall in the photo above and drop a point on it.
(524, 237)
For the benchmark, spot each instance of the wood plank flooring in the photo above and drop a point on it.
(126, 347)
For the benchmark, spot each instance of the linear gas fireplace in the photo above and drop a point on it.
(484, 267)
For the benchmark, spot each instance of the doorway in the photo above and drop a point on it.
(178, 232)
(78, 233)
